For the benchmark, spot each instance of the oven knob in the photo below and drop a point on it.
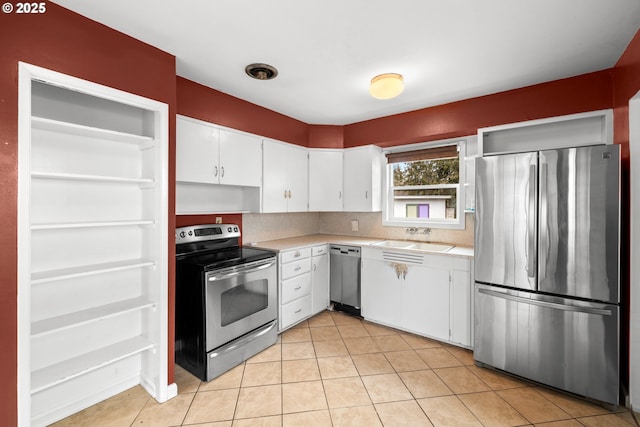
(190, 233)
(182, 234)
(229, 229)
(235, 229)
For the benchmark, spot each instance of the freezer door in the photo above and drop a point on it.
(579, 222)
(568, 344)
(505, 220)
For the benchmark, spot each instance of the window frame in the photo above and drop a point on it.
(388, 218)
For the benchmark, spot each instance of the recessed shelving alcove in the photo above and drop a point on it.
(92, 245)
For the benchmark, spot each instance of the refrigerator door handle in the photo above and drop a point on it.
(598, 311)
(531, 223)
(544, 223)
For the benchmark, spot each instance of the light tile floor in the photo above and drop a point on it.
(336, 370)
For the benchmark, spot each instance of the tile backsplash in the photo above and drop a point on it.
(261, 227)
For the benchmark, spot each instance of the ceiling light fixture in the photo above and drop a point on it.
(386, 86)
(261, 71)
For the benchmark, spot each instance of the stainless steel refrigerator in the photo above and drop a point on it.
(547, 267)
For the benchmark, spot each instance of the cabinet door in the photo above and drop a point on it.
(297, 162)
(196, 152)
(320, 282)
(240, 159)
(461, 286)
(381, 293)
(325, 180)
(425, 301)
(362, 179)
(274, 187)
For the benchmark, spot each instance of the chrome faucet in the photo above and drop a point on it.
(416, 230)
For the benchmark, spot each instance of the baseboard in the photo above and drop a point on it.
(64, 411)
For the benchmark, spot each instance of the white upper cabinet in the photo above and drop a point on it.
(197, 148)
(209, 154)
(325, 180)
(363, 179)
(240, 159)
(285, 178)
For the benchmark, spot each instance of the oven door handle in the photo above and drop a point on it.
(242, 269)
(243, 341)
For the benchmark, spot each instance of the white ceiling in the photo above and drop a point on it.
(327, 51)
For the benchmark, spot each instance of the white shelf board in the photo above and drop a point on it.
(88, 270)
(95, 178)
(94, 314)
(53, 375)
(76, 129)
(94, 224)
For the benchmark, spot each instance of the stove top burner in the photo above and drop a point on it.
(217, 259)
(215, 246)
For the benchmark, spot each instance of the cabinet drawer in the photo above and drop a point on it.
(296, 268)
(295, 288)
(295, 311)
(319, 250)
(295, 254)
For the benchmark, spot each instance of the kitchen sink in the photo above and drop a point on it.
(400, 244)
(433, 247)
(421, 246)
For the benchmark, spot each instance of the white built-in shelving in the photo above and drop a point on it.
(93, 244)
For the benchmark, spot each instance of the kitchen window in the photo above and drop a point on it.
(424, 185)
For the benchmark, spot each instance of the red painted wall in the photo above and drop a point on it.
(66, 42)
(326, 136)
(574, 95)
(210, 105)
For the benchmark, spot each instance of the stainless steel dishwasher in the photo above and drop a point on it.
(345, 278)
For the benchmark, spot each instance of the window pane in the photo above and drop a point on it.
(426, 172)
(437, 203)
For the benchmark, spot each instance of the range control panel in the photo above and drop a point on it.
(204, 232)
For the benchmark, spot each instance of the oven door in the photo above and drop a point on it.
(238, 300)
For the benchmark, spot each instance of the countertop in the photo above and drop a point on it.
(318, 239)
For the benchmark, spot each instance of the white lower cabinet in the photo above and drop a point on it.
(295, 286)
(421, 293)
(462, 302)
(381, 296)
(319, 278)
(304, 283)
(425, 300)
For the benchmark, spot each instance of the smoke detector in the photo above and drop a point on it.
(261, 71)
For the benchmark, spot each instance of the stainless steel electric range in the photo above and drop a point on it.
(226, 299)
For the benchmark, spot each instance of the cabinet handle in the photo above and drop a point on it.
(285, 194)
(366, 194)
(339, 194)
(289, 193)
(314, 267)
(215, 171)
(297, 254)
(297, 311)
(297, 288)
(298, 268)
(222, 172)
